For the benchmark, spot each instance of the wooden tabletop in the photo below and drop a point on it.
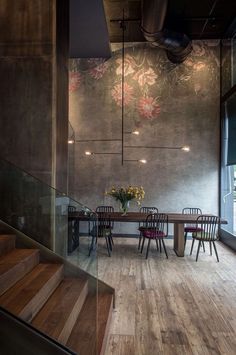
(141, 217)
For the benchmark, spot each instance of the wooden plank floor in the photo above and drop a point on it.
(174, 306)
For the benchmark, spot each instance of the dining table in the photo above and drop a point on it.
(179, 221)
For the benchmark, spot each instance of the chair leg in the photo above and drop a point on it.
(185, 238)
(157, 244)
(109, 238)
(198, 248)
(142, 244)
(108, 246)
(160, 244)
(91, 245)
(164, 247)
(139, 242)
(215, 251)
(210, 248)
(202, 243)
(148, 246)
(192, 247)
(112, 240)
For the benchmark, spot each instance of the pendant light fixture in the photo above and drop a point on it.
(124, 147)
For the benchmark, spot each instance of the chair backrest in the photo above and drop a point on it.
(191, 210)
(208, 227)
(104, 223)
(105, 209)
(71, 209)
(157, 222)
(150, 210)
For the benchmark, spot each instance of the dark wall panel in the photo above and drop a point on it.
(26, 125)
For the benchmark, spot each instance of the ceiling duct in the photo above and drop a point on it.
(177, 45)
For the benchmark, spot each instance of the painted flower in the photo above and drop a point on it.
(198, 49)
(99, 69)
(148, 107)
(129, 64)
(95, 61)
(145, 77)
(74, 81)
(117, 94)
(199, 66)
(189, 62)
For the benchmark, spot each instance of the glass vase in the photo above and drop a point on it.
(124, 207)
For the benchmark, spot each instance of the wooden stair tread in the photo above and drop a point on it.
(15, 265)
(7, 243)
(28, 295)
(86, 332)
(16, 256)
(59, 314)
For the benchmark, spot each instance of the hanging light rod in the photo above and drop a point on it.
(133, 132)
(185, 148)
(126, 20)
(143, 161)
(123, 27)
(96, 140)
(100, 153)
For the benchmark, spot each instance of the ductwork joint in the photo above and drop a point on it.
(177, 45)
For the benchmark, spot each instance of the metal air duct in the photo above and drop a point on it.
(177, 45)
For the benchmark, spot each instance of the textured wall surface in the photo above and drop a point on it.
(34, 111)
(171, 105)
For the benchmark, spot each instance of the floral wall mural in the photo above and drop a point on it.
(171, 105)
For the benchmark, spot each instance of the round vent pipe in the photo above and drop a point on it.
(177, 45)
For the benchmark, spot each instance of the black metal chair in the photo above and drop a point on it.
(141, 226)
(191, 228)
(156, 228)
(102, 228)
(73, 231)
(107, 210)
(207, 229)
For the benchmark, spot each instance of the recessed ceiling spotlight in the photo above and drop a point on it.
(71, 141)
(143, 161)
(136, 133)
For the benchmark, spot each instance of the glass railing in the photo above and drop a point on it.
(45, 214)
(64, 226)
(27, 340)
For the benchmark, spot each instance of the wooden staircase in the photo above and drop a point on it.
(62, 307)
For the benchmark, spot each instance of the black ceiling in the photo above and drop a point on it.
(199, 19)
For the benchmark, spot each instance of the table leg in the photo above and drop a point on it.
(179, 239)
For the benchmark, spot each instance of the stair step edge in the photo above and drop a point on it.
(13, 270)
(52, 313)
(87, 329)
(27, 296)
(7, 243)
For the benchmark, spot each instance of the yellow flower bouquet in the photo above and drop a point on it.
(126, 194)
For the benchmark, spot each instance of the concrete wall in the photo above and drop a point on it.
(33, 112)
(33, 90)
(171, 105)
